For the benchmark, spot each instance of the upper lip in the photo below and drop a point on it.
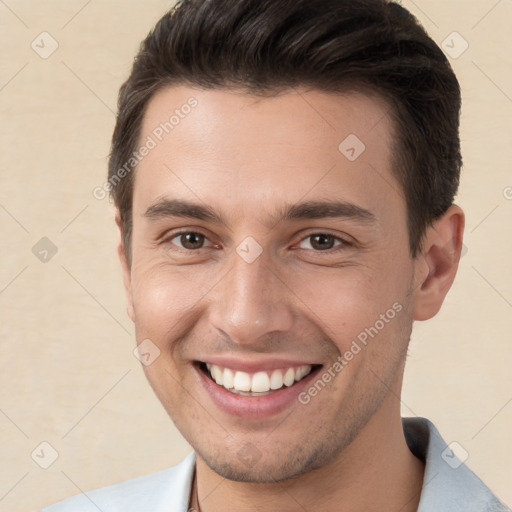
(255, 365)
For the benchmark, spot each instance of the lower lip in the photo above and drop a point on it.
(254, 406)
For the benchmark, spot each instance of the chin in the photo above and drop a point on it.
(262, 469)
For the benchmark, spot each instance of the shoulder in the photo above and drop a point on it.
(166, 490)
(449, 485)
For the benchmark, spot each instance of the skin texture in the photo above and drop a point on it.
(248, 158)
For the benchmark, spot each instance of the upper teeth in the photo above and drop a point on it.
(259, 382)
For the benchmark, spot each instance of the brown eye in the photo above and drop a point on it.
(189, 240)
(322, 242)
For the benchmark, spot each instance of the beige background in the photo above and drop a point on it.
(68, 375)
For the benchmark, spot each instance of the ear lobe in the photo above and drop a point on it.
(437, 266)
(125, 268)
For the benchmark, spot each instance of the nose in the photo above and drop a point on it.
(250, 302)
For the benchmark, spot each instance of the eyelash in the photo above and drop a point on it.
(344, 243)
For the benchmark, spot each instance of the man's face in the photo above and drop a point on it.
(293, 253)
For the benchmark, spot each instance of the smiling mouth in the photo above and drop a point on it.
(260, 383)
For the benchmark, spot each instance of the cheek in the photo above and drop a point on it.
(167, 303)
(343, 302)
(163, 295)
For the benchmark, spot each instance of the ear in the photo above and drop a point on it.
(126, 269)
(436, 266)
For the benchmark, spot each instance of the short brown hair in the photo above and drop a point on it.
(268, 46)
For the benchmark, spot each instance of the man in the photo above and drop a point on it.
(284, 174)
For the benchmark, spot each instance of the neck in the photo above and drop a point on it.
(376, 472)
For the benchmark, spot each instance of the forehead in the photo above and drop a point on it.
(242, 152)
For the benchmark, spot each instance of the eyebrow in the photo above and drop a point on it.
(306, 210)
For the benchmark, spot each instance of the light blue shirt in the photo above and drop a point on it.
(448, 485)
